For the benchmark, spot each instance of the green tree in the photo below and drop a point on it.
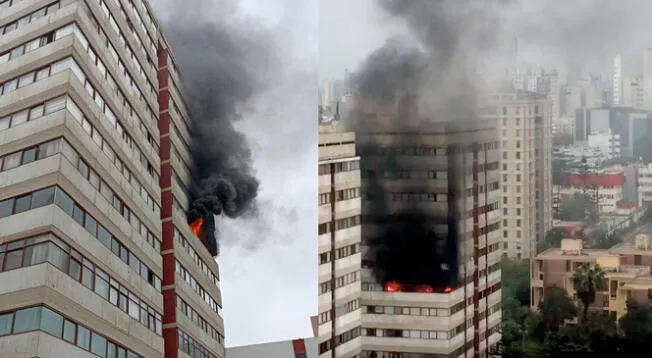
(587, 280)
(636, 326)
(555, 308)
(516, 280)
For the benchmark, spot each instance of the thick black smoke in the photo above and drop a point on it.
(410, 243)
(223, 63)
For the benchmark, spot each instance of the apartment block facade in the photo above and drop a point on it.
(339, 243)
(459, 321)
(526, 165)
(96, 256)
(626, 266)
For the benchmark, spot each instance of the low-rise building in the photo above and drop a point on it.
(626, 266)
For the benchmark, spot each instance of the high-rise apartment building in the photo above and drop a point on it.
(448, 176)
(96, 256)
(526, 144)
(339, 243)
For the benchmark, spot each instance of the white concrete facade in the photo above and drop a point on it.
(339, 243)
(80, 168)
(526, 142)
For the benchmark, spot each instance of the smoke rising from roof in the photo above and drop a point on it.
(224, 64)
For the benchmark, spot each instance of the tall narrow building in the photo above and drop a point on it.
(430, 233)
(525, 121)
(96, 256)
(339, 243)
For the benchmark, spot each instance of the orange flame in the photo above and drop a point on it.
(195, 226)
(393, 287)
(448, 290)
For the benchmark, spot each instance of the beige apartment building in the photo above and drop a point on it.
(339, 243)
(627, 267)
(458, 321)
(94, 259)
(525, 121)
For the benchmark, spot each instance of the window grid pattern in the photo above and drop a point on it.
(197, 319)
(41, 318)
(49, 248)
(183, 243)
(37, 111)
(130, 53)
(55, 195)
(192, 282)
(190, 346)
(110, 114)
(34, 15)
(94, 56)
(61, 146)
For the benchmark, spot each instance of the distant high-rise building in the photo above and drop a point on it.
(525, 121)
(647, 78)
(634, 93)
(617, 81)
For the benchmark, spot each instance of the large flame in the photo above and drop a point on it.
(393, 287)
(196, 225)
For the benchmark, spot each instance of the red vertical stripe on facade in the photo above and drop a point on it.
(299, 346)
(170, 335)
(168, 236)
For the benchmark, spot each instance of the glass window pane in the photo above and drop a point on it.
(82, 168)
(43, 197)
(94, 179)
(83, 337)
(35, 112)
(102, 287)
(87, 277)
(22, 204)
(104, 236)
(74, 270)
(4, 123)
(9, 86)
(13, 259)
(29, 156)
(36, 254)
(58, 258)
(78, 214)
(6, 208)
(19, 118)
(98, 345)
(122, 353)
(49, 148)
(55, 105)
(63, 201)
(69, 152)
(12, 161)
(91, 225)
(42, 73)
(69, 331)
(27, 320)
(26, 79)
(32, 45)
(5, 323)
(51, 322)
(110, 350)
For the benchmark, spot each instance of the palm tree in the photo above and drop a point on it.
(587, 280)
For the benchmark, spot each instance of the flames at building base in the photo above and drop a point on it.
(204, 228)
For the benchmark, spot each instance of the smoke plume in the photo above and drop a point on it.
(223, 64)
(434, 71)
